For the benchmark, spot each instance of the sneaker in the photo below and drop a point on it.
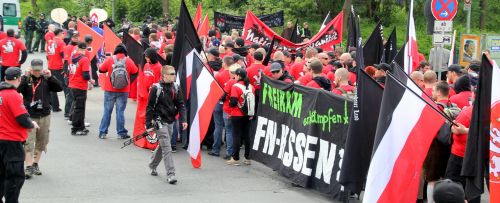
(123, 136)
(233, 162)
(28, 172)
(57, 110)
(70, 122)
(86, 124)
(172, 180)
(227, 157)
(153, 172)
(247, 162)
(102, 136)
(36, 169)
(66, 118)
(213, 154)
(174, 149)
(81, 133)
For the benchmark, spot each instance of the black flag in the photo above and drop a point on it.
(186, 40)
(390, 49)
(374, 46)
(477, 153)
(361, 134)
(352, 34)
(270, 51)
(134, 50)
(400, 56)
(295, 36)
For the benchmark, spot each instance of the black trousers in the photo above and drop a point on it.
(453, 173)
(11, 170)
(78, 109)
(241, 131)
(54, 100)
(68, 96)
(2, 72)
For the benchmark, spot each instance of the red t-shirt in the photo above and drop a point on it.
(3, 35)
(253, 74)
(331, 76)
(428, 91)
(9, 51)
(68, 51)
(227, 88)
(297, 70)
(347, 88)
(328, 68)
(49, 36)
(152, 74)
(237, 92)
(452, 92)
(222, 77)
(54, 50)
(11, 106)
(107, 67)
(76, 79)
(352, 78)
(460, 141)
(308, 78)
(313, 84)
(461, 99)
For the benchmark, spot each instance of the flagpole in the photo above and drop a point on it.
(420, 97)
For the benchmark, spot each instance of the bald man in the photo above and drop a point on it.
(430, 79)
(325, 60)
(418, 77)
(342, 86)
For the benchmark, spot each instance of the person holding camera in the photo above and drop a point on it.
(165, 102)
(15, 124)
(36, 87)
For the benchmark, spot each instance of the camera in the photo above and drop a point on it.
(38, 105)
(158, 123)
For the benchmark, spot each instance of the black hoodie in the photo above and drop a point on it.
(323, 83)
(242, 51)
(43, 91)
(215, 65)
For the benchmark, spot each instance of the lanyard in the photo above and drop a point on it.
(34, 87)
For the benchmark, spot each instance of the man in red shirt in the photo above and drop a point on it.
(49, 36)
(325, 60)
(341, 84)
(430, 79)
(318, 80)
(418, 77)
(9, 52)
(55, 54)
(114, 95)
(79, 78)
(221, 118)
(69, 50)
(14, 121)
(452, 75)
(255, 68)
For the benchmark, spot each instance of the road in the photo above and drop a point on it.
(88, 169)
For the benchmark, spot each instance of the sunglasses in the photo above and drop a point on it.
(275, 72)
(171, 73)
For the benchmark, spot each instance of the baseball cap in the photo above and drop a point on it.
(12, 73)
(36, 64)
(275, 67)
(447, 191)
(240, 42)
(214, 51)
(383, 66)
(455, 68)
(237, 57)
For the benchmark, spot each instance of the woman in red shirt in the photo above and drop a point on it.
(240, 121)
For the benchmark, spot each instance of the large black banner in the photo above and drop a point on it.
(301, 132)
(226, 22)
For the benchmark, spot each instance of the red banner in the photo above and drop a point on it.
(256, 31)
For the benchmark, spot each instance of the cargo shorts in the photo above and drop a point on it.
(38, 138)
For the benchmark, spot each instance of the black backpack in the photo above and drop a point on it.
(444, 135)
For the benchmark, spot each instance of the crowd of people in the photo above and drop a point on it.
(236, 66)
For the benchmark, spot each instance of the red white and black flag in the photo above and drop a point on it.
(205, 94)
(406, 127)
(186, 40)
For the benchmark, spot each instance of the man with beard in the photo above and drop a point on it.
(213, 60)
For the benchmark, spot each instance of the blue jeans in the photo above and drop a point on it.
(219, 126)
(110, 99)
(229, 134)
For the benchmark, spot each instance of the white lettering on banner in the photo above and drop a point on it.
(299, 149)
